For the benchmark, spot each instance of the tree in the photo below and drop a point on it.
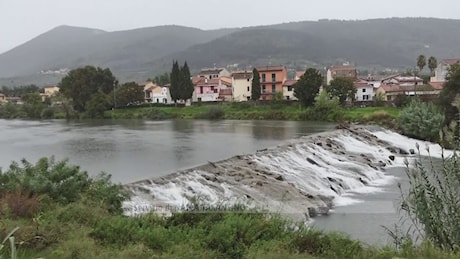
(449, 93)
(174, 90)
(342, 88)
(432, 64)
(421, 120)
(186, 85)
(162, 79)
(96, 106)
(421, 62)
(129, 92)
(308, 86)
(80, 84)
(33, 105)
(255, 86)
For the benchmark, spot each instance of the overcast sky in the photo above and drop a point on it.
(22, 20)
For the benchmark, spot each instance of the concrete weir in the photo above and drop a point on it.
(300, 179)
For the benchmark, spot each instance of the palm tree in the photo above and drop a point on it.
(421, 62)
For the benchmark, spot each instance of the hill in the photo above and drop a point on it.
(142, 53)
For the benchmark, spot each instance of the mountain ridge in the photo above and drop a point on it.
(140, 53)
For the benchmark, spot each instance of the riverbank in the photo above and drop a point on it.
(252, 111)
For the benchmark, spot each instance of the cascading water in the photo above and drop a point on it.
(301, 178)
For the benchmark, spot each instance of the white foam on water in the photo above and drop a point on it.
(311, 168)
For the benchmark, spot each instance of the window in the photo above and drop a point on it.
(248, 79)
(364, 90)
(199, 99)
(215, 91)
(248, 98)
(158, 100)
(388, 97)
(287, 97)
(290, 88)
(201, 90)
(264, 89)
(273, 88)
(365, 97)
(249, 89)
(273, 77)
(263, 77)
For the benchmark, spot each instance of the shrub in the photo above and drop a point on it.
(155, 114)
(213, 113)
(421, 120)
(47, 113)
(18, 203)
(432, 202)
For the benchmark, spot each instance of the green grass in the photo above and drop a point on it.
(247, 111)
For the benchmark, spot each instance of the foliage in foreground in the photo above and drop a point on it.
(433, 201)
(69, 216)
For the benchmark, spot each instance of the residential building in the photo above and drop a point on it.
(404, 81)
(340, 72)
(442, 69)
(207, 90)
(148, 87)
(49, 91)
(214, 73)
(364, 91)
(271, 80)
(160, 94)
(2, 98)
(241, 85)
(226, 94)
(288, 89)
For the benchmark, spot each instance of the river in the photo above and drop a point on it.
(133, 150)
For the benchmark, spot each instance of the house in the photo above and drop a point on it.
(148, 87)
(160, 94)
(14, 100)
(241, 85)
(404, 81)
(214, 73)
(299, 74)
(340, 72)
(391, 91)
(364, 91)
(288, 89)
(207, 90)
(48, 92)
(226, 94)
(2, 98)
(272, 79)
(442, 69)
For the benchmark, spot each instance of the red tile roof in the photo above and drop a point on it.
(289, 82)
(299, 73)
(242, 74)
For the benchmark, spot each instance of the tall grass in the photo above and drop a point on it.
(432, 203)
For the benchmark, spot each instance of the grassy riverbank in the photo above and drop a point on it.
(251, 111)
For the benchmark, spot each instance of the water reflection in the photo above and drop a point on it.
(132, 150)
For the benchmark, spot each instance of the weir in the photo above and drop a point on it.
(299, 179)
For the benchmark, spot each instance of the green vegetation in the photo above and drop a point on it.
(53, 210)
(255, 85)
(421, 120)
(81, 84)
(307, 87)
(343, 89)
(181, 84)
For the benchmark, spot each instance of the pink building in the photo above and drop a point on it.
(207, 90)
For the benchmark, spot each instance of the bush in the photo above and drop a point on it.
(421, 120)
(155, 114)
(62, 183)
(47, 113)
(18, 203)
(213, 113)
(325, 109)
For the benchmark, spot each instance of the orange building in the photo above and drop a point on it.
(271, 80)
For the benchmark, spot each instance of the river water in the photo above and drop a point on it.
(133, 150)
